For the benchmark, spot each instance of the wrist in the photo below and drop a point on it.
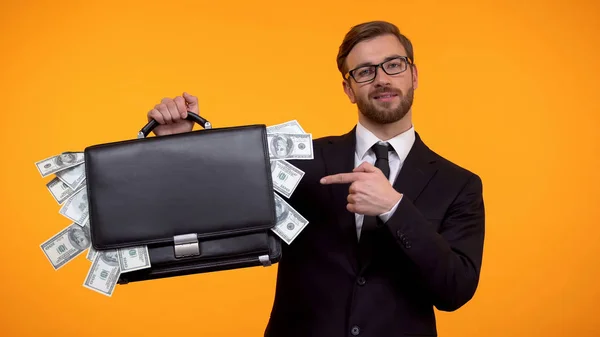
(393, 200)
(388, 214)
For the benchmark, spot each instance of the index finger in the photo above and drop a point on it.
(192, 102)
(181, 107)
(341, 178)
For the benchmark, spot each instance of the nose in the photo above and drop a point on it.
(381, 78)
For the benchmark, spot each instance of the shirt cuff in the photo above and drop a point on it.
(387, 215)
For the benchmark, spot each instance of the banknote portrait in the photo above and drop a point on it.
(281, 146)
(66, 158)
(110, 257)
(280, 211)
(78, 237)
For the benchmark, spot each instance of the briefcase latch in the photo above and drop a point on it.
(186, 245)
(264, 260)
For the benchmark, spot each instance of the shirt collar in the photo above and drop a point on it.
(402, 143)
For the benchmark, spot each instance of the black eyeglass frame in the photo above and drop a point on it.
(406, 59)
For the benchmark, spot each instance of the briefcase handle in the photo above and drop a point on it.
(145, 131)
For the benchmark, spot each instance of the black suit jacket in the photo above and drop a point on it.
(427, 255)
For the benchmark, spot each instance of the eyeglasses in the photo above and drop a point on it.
(393, 66)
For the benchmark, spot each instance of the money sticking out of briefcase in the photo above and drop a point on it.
(199, 201)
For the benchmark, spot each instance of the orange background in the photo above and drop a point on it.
(508, 90)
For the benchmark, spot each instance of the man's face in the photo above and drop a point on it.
(387, 98)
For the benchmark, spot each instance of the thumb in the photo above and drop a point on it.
(365, 167)
(191, 102)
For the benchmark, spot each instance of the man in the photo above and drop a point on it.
(395, 229)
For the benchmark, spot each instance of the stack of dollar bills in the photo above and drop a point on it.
(68, 188)
(288, 141)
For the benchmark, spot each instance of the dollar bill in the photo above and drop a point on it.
(59, 162)
(289, 222)
(286, 177)
(134, 258)
(73, 177)
(290, 146)
(91, 255)
(76, 207)
(66, 245)
(288, 127)
(104, 273)
(61, 191)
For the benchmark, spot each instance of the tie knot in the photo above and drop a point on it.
(381, 150)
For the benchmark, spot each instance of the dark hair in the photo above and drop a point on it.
(369, 30)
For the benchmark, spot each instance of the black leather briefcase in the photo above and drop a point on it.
(201, 201)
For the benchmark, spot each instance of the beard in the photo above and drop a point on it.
(383, 112)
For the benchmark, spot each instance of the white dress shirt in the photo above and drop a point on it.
(401, 145)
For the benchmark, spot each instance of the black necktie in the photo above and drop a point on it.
(367, 241)
(381, 162)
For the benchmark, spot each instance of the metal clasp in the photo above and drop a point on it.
(186, 245)
(264, 259)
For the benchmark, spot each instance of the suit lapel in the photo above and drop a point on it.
(417, 170)
(339, 158)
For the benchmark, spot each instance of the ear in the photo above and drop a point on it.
(349, 92)
(415, 76)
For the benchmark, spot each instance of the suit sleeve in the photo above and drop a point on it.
(448, 260)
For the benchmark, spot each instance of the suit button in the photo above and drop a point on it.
(399, 234)
(355, 331)
(361, 281)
